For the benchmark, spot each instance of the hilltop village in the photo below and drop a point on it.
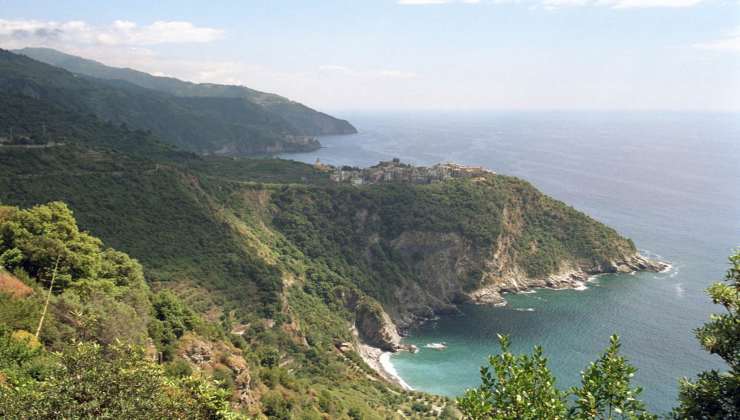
(395, 171)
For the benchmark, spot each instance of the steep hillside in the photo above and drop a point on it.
(296, 271)
(98, 329)
(302, 119)
(143, 353)
(228, 125)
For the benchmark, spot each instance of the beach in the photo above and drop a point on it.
(380, 362)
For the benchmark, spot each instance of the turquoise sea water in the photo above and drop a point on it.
(669, 181)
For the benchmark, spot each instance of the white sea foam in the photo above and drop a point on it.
(387, 365)
(524, 309)
(680, 291)
(436, 346)
(581, 286)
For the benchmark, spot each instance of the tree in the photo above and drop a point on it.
(98, 294)
(522, 387)
(35, 238)
(519, 387)
(46, 238)
(605, 391)
(715, 394)
(117, 383)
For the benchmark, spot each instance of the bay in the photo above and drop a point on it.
(670, 181)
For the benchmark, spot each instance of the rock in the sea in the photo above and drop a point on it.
(638, 263)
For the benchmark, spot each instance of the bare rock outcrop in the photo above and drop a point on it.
(375, 327)
(450, 270)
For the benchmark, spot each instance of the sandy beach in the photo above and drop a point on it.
(380, 362)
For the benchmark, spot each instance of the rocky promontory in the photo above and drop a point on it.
(568, 278)
(375, 327)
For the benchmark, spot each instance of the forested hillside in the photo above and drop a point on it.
(208, 125)
(256, 270)
(302, 120)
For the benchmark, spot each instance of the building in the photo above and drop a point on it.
(395, 171)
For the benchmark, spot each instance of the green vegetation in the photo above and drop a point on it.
(522, 387)
(227, 125)
(303, 120)
(265, 245)
(252, 271)
(605, 391)
(352, 230)
(103, 316)
(85, 382)
(100, 300)
(715, 394)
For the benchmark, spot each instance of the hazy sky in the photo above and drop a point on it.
(414, 54)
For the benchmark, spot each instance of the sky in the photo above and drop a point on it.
(347, 55)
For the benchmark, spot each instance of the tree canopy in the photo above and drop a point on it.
(523, 387)
(715, 394)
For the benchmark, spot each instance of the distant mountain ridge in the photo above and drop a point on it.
(207, 119)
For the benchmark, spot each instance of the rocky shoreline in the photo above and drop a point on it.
(567, 278)
(377, 334)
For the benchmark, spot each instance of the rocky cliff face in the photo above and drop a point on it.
(210, 356)
(421, 250)
(569, 277)
(452, 270)
(375, 327)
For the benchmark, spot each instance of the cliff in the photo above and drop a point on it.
(375, 327)
(421, 249)
(283, 263)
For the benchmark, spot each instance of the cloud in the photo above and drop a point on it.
(428, 2)
(369, 74)
(334, 67)
(729, 43)
(34, 32)
(620, 4)
(397, 74)
(125, 43)
(553, 4)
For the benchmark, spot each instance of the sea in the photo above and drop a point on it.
(668, 180)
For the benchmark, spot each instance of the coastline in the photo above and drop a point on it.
(380, 362)
(570, 278)
(494, 295)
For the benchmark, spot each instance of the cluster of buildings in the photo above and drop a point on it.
(395, 171)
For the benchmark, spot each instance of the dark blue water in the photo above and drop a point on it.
(669, 181)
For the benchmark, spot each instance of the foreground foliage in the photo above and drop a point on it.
(522, 387)
(606, 392)
(87, 359)
(85, 382)
(715, 394)
(519, 387)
